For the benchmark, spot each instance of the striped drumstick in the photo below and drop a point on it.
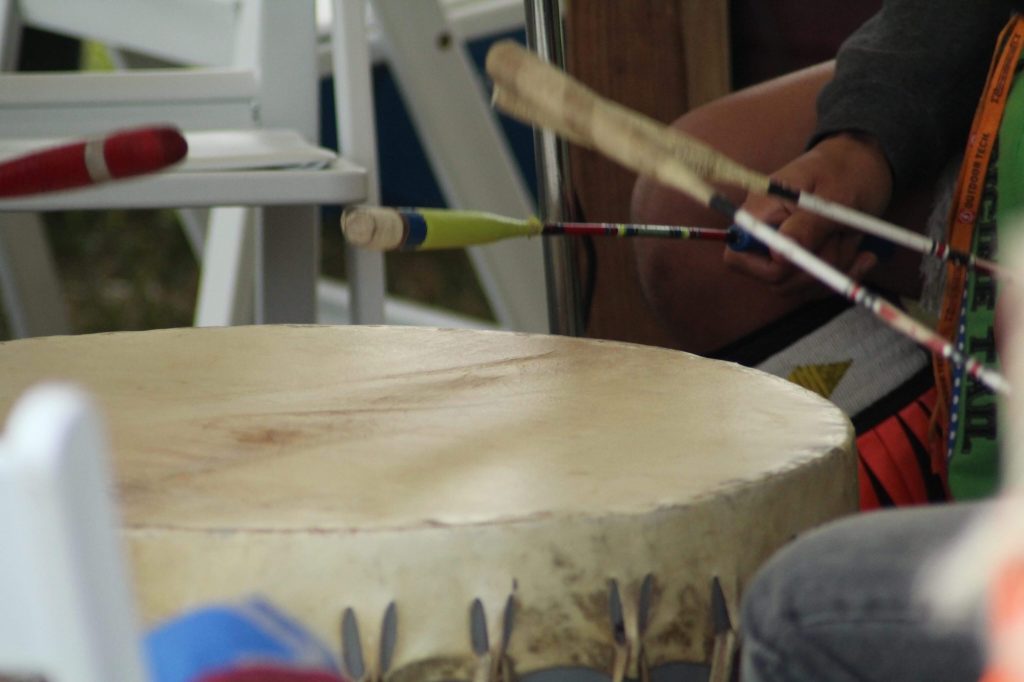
(711, 164)
(538, 93)
(120, 154)
(421, 229)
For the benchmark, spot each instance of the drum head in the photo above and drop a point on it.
(335, 468)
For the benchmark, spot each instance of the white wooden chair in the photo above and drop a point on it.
(259, 73)
(68, 615)
(424, 43)
(448, 104)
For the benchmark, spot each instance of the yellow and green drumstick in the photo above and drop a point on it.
(418, 229)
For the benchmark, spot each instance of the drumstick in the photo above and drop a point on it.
(711, 164)
(540, 94)
(421, 229)
(92, 161)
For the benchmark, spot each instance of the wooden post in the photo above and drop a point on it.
(660, 57)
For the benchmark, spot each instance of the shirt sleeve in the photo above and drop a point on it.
(911, 77)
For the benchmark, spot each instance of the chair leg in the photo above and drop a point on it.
(225, 280)
(287, 264)
(10, 35)
(194, 223)
(365, 271)
(357, 137)
(448, 108)
(32, 295)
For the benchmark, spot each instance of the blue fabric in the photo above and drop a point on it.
(417, 229)
(221, 637)
(839, 604)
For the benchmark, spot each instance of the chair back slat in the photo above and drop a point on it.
(154, 27)
(68, 613)
(54, 104)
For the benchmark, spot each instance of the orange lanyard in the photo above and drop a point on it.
(968, 191)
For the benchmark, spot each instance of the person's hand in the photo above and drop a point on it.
(849, 169)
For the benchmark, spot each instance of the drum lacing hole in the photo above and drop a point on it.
(615, 611)
(644, 608)
(351, 646)
(478, 628)
(388, 637)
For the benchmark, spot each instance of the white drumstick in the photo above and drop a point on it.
(538, 93)
(534, 98)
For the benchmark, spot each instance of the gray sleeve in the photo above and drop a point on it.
(911, 76)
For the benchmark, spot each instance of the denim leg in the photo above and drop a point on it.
(837, 605)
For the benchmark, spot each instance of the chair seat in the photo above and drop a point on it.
(41, 104)
(264, 167)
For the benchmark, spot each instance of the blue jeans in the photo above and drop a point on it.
(838, 605)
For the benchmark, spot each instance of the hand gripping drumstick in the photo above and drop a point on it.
(422, 229)
(538, 93)
(711, 164)
(121, 154)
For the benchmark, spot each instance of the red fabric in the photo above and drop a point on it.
(876, 457)
(889, 459)
(921, 418)
(916, 418)
(868, 498)
(271, 673)
(892, 433)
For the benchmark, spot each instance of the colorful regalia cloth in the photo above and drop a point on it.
(879, 377)
(925, 432)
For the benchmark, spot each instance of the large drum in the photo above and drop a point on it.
(471, 504)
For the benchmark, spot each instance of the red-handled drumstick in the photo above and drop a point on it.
(120, 154)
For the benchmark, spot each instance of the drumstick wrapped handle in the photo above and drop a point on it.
(385, 229)
(421, 229)
(121, 154)
(529, 89)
